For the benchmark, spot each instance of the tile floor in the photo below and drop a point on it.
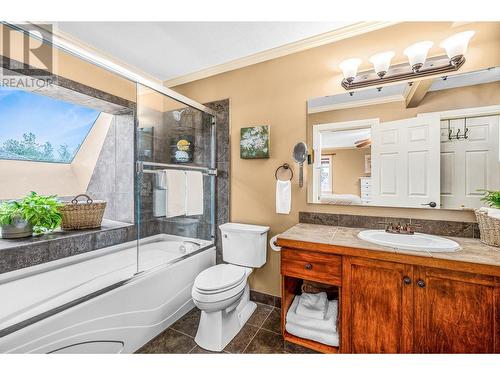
(260, 335)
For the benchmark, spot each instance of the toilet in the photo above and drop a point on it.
(222, 292)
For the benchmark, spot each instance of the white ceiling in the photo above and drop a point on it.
(343, 138)
(166, 50)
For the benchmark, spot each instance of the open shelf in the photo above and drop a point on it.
(291, 286)
(314, 345)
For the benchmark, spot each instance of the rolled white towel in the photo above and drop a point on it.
(327, 338)
(329, 324)
(312, 305)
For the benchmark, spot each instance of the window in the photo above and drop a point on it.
(38, 128)
(326, 174)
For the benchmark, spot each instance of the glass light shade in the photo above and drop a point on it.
(381, 62)
(417, 54)
(350, 68)
(456, 45)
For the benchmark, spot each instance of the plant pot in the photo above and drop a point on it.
(18, 229)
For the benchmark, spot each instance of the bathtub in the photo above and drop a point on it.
(112, 300)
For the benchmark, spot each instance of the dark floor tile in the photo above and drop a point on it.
(188, 324)
(260, 314)
(266, 342)
(273, 321)
(292, 348)
(167, 342)
(242, 339)
(277, 302)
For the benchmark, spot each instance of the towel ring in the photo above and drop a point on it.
(285, 166)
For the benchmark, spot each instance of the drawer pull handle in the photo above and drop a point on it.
(421, 283)
(406, 280)
(308, 266)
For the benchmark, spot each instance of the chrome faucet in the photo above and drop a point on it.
(399, 228)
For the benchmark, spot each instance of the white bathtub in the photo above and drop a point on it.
(156, 292)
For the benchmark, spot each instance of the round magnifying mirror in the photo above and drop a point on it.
(300, 156)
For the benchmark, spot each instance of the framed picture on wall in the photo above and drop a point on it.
(254, 142)
(368, 163)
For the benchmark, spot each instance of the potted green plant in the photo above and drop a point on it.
(492, 199)
(32, 214)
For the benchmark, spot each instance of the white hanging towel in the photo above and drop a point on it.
(283, 197)
(176, 192)
(194, 193)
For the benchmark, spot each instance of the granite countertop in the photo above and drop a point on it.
(472, 250)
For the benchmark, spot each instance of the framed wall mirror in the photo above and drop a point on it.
(427, 144)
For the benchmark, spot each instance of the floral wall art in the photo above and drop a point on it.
(254, 142)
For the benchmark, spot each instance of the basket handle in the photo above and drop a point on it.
(75, 199)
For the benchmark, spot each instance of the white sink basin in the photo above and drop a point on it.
(415, 242)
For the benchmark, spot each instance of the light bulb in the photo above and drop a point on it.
(417, 54)
(381, 62)
(350, 68)
(456, 45)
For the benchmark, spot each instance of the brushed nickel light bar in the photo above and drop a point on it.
(418, 65)
(439, 65)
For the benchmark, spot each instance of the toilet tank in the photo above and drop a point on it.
(244, 244)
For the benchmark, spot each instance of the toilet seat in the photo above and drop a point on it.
(219, 283)
(219, 278)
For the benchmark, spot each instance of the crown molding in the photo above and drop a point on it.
(287, 49)
(355, 104)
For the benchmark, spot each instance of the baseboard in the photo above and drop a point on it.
(266, 299)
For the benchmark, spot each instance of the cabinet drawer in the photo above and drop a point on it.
(309, 265)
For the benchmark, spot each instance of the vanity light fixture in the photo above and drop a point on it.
(417, 54)
(381, 62)
(418, 64)
(456, 46)
(350, 68)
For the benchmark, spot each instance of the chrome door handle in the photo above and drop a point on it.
(308, 266)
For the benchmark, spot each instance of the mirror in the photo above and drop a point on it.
(433, 143)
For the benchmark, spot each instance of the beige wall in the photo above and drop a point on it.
(275, 93)
(20, 177)
(348, 167)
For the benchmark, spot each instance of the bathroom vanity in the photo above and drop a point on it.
(396, 301)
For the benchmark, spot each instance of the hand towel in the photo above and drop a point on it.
(327, 338)
(329, 324)
(194, 193)
(312, 305)
(176, 192)
(283, 197)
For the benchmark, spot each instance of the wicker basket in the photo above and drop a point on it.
(489, 228)
(82, 214)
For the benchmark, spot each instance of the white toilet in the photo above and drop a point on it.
(221, 292)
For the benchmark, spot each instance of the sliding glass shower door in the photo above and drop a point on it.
(175, 179)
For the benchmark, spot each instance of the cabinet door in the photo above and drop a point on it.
(377, 305)
(454, 312)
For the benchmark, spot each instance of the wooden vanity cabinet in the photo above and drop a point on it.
(377, 311)
(398, 308)
(455, 312)
(401, 306)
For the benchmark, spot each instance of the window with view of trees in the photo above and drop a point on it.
(38, 128)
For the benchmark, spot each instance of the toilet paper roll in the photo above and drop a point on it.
(272, 243)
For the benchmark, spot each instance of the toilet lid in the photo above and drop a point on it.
(219, 277)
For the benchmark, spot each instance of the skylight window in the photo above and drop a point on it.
(38, 128)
